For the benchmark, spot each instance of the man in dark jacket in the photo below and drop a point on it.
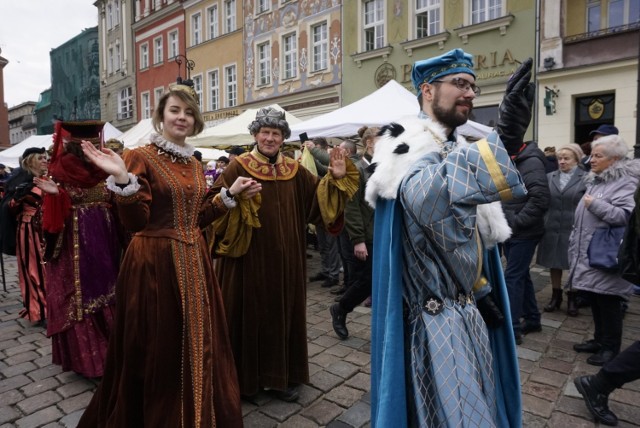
(526, 218)
(359, 225)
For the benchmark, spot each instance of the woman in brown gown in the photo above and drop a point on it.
(169, 361)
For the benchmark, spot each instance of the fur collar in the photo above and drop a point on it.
(400, 146)
(616, 170)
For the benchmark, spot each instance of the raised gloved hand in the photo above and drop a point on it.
(514, 113)
(491, 313)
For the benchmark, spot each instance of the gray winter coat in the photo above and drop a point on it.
(613, 191)
(553, 249)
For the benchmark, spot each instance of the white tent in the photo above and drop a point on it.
(137, 135)
(11, 156)
(233, 132)
(389, 103)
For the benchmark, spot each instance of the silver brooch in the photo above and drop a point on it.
(433, 306)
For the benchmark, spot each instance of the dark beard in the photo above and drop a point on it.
(450, 118)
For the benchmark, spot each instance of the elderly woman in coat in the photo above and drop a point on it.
(566, 186)
(607, 202)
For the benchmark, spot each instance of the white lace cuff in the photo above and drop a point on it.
(228, 202)
(130, 188)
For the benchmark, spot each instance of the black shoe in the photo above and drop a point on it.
(339, 291)
(317, 277)
(529, 327)
(339, 321)
(602, 357)
(289, 395)
(329, 282)
(596, 402)
(590, 346)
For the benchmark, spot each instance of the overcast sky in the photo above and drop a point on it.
(29, 29)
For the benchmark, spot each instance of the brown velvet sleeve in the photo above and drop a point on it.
(133, 210)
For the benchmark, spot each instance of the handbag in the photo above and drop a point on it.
(604, 247)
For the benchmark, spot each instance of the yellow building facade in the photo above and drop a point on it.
(588, 69)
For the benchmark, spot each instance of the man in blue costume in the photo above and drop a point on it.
(443, 351)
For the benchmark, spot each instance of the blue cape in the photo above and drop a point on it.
(388, 389)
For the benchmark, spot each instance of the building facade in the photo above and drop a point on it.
(75, 83)
(22, 122)
(383, 38)
(293, 55)
(214, 44)
(588, 69)
(159, 39)
(117, 63)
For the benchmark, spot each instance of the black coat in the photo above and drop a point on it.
(526, 215)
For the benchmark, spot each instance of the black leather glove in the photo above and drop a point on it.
(491, 313)
(514, 113)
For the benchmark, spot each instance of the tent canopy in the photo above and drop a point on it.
(11, 156)
(234, 132)
(138, 135)
(387, 104)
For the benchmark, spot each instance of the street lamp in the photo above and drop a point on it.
(189, 65)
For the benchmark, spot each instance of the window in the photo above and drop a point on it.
(290, 56)
(196, 29)
(485, 10)
(373, 24)
(427, 18)
(319, 48)
(214, 91)
(109, 17)
(623, 12)
(145, 105)
(197, 86)
(125, 103)
(110, 60)
(144, 56)
(231, 86)
(212, 22)
(263, 6)
(116, 13)
(263, 56)
(118, 58)
(229, 16)
(174, 49)
(593, 16)
(157, 50)
(157, 94)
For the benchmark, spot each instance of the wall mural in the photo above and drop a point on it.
(272, 26)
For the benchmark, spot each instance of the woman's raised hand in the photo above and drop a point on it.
(107, 160)
(46, 185)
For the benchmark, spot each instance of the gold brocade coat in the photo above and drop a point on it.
(264, 290)
(169, 361)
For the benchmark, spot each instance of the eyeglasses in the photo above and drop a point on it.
(462, 84)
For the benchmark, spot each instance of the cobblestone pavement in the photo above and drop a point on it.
(35, 393)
